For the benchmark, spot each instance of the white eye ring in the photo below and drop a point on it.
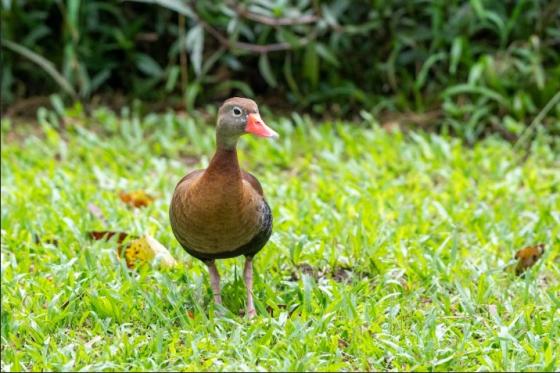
(237, 111)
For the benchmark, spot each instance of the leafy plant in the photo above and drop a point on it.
(485, 66)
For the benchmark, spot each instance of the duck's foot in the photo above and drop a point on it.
(251, 313)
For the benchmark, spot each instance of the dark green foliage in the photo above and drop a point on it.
(484, 65)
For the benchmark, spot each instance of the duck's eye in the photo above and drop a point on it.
(236, 111)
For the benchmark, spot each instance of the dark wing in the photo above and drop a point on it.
(253, 181)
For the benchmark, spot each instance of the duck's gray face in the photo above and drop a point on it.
(238, 116)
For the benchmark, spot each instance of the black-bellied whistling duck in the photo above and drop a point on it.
(220, 212)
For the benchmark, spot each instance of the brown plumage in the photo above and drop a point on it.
(220, 212)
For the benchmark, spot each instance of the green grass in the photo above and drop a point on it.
(388, 251)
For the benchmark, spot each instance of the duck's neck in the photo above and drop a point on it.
(225, 141)
(225, 164)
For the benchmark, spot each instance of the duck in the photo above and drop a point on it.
(221, 212)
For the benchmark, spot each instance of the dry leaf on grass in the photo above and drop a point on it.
(147, 249)
(107, 235)
(527, 257)
(138, 198)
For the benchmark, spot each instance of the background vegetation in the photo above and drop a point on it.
(471, 67)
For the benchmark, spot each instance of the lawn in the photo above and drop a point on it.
(391, 250)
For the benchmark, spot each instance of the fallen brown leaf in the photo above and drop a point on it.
(107, 235)
(138, 198)
(527, 257)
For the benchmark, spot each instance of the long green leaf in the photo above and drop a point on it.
(148, 65)
(423, 74)
(456, 52)
(471, 89)
(174, 5)
(45, 64)
(266, 70)
(311, 65)
(326, 54)
(194, 42)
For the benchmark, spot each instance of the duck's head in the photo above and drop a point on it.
(238, 116)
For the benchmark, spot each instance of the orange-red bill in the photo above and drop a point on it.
(256, 126)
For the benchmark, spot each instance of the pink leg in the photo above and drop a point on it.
(248, 276)
(215, 281)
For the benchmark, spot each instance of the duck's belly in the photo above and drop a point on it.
(219, 228)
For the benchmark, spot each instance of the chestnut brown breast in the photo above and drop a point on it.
(219, 209)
